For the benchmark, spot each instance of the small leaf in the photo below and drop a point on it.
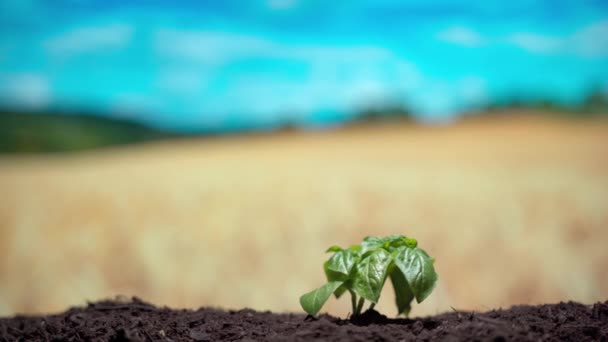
(333, 248)
(333, 275)
(371, 273)
(355, 248)
(340, 268)
(342, 262)
(400, 240)
(418, 269)
(341, 290)
(389, 243)
(313, 301)
(371, 243)
(411, 242)
(403, 294)
(393, 237)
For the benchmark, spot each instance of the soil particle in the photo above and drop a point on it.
(140, 321)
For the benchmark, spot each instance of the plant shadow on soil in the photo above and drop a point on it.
(136, 320)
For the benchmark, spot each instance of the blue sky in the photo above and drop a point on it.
(222, 64)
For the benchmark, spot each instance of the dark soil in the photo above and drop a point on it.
(139, 321)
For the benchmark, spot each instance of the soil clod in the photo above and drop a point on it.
(139, 321)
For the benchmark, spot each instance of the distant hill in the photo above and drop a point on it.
(595, 103)
(391, 113)
(22, 132)
(56, 131)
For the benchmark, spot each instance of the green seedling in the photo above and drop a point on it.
(362, 270)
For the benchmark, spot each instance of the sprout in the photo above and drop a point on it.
(363, 270)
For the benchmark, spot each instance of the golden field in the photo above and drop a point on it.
(514, 209)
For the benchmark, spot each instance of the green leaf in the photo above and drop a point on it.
(371, 273)
(355, 248)
(411, 242)
(342, 262)
(371, 243)
(333, 275)
(418, 269)
(397, 241)
(341, 290)
(333, 248)
(403, 294)
(312, 301)
(394, 237)
(389, 243)
(339, 268)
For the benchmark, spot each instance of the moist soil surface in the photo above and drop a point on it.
(136, 320)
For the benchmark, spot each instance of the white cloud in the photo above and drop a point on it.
(440, 99)
(537, 43)
(28, 90)
(324, 87)
(214, 47)
(591, 41)
(89, 39)
(408, 75)
(461, 35)
(207, 46)
(344, 77)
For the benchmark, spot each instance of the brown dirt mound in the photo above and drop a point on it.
(140, 321)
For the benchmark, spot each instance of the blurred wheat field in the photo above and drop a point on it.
(514, 209)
